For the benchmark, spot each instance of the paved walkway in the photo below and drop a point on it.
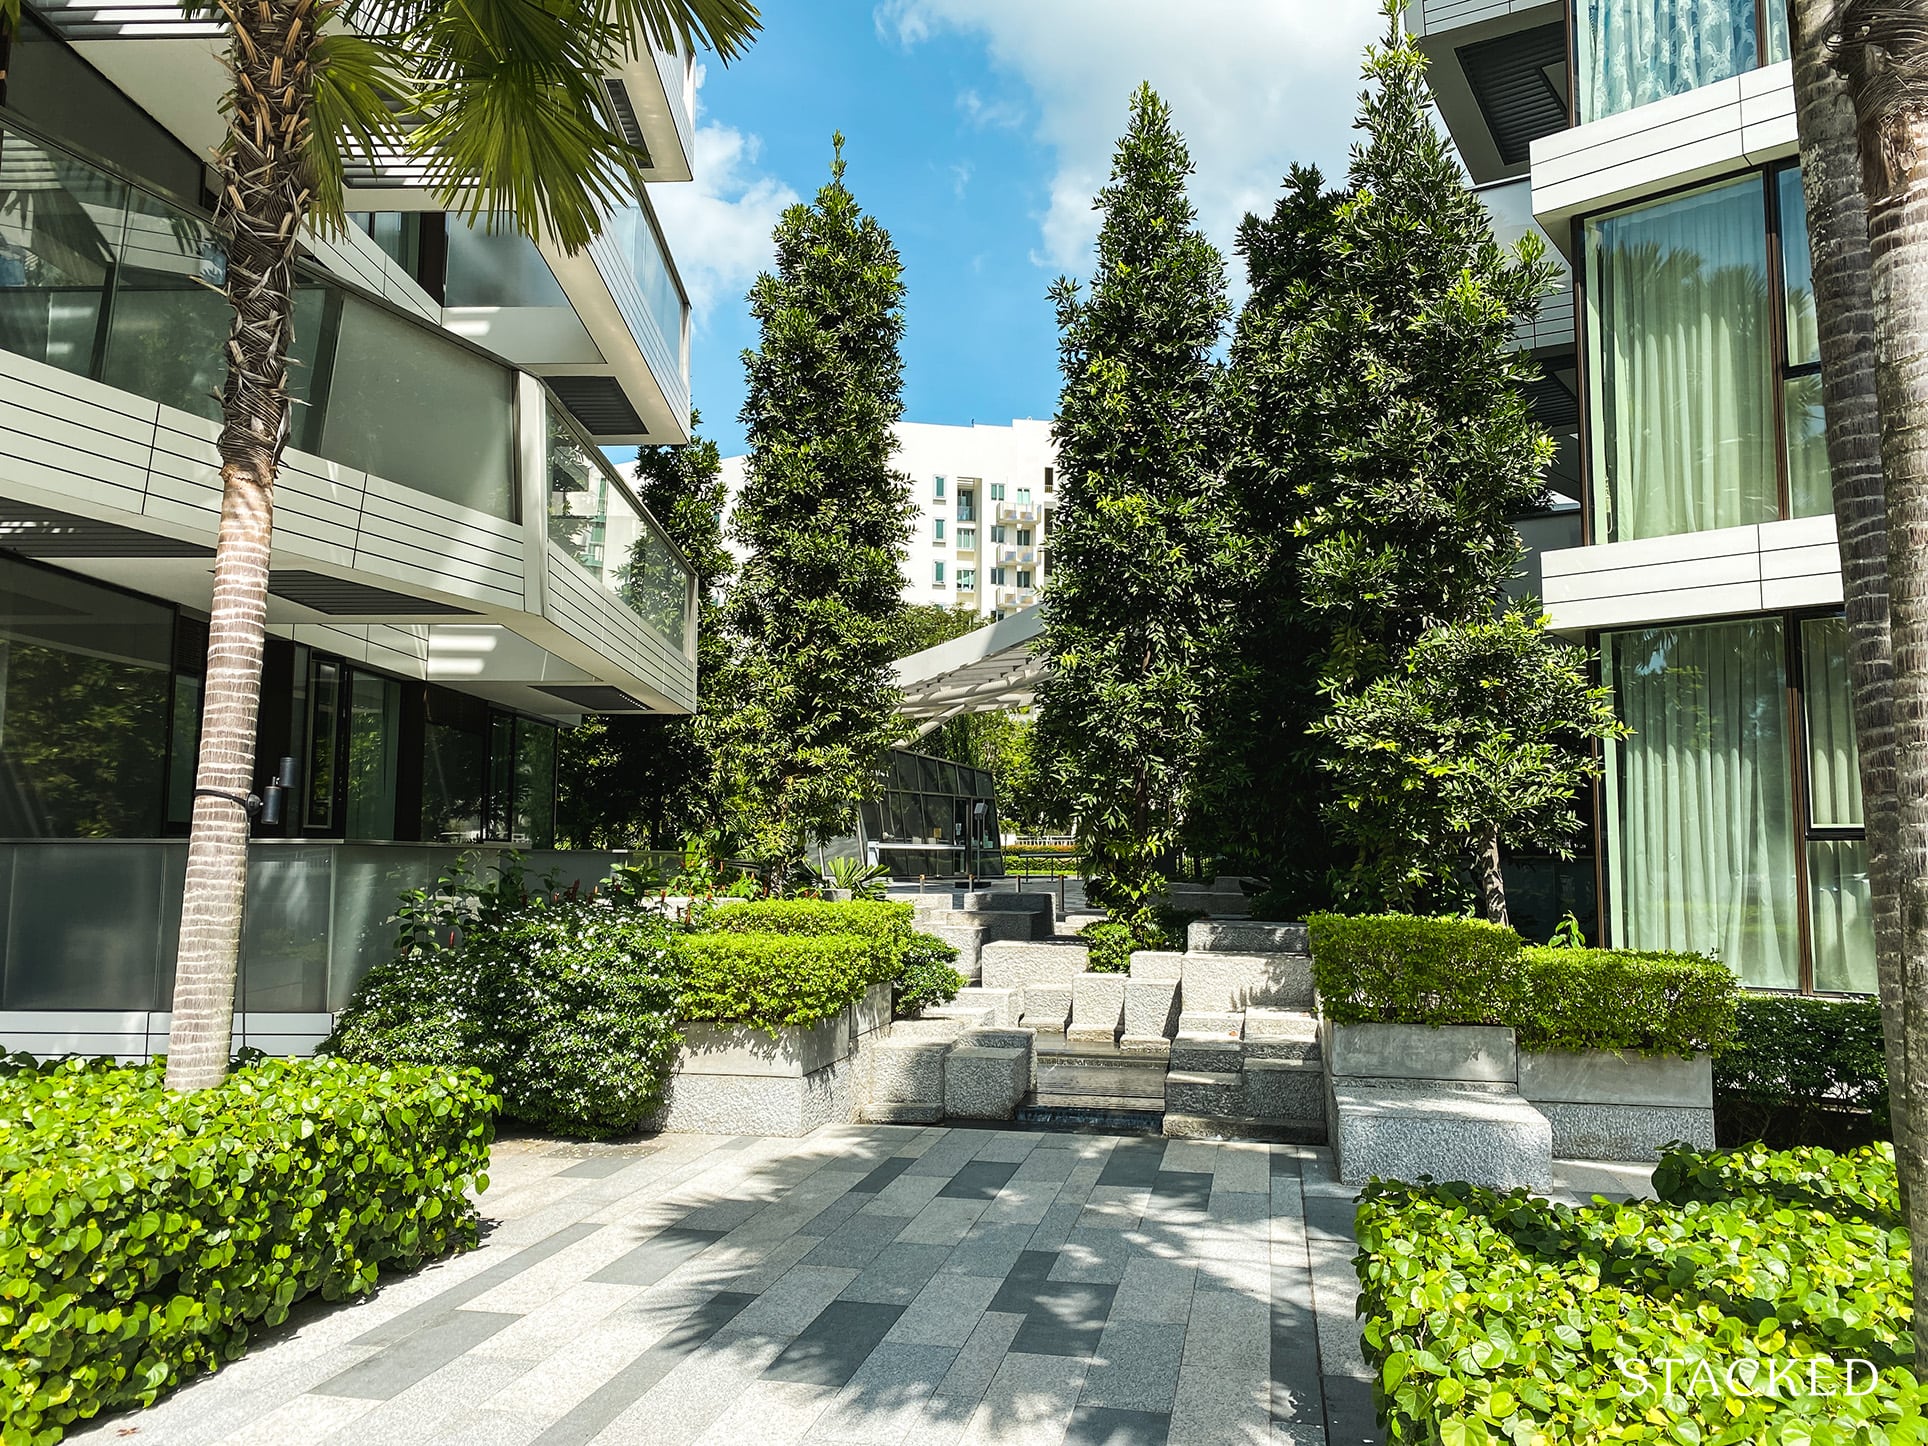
(868, 1284)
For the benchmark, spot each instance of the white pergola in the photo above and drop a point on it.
(988, 670)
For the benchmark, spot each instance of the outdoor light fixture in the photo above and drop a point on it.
(273, 804)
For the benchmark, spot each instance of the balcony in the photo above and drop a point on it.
(1016, 597)
(1510, 204)
(1018, 512)
(1021, 556)
(1498, 72)
(410, 527)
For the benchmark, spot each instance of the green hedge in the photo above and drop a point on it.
(143, 1233)
(1797, 1065)
(925, 976)
(1399, 969)
(1619, 999)
(1858, 1182)
(772, 980)
(1496, 1318)
(870, 919)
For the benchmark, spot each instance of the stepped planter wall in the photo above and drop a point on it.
(734, 1080)
(1604, 1105)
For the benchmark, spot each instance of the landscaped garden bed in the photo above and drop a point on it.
(144, 1234)
(1763, 1298)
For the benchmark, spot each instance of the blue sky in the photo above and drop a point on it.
(977, 132)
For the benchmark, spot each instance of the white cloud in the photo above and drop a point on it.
(1003, 115)
(1253, 87)
(961, 173)
(718, 226)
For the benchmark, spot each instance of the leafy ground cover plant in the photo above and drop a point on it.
(1725, 1314)
(1860, 1182)
(145, 1233)
(566, 1001)
(925, 976)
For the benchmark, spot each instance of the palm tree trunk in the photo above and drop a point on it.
(1844, 313)
(1882, 51)
(1492, 881)
(263, 203)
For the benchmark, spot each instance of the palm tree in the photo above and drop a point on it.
(502, 100)
(1861, 104)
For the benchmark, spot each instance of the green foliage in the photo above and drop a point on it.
(145, 1233)
(623, 779)
(1798, 1063)
(1860, 1182)
(1567, 934)
(1479, 740)
(1137, 547)
(1108, 947)
(1501, 1318)
(1382, 446)
(864, 881)
(925, 976)
(925, 625)
(1656, 1003)
(566, 1002)
(1396, 969)
(808, 702)
(1278, 904)
(1001, 744)
(768, 981)
(888, 921)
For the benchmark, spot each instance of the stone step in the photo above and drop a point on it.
(1061, 1100)
(1045, 1006)
(1065, 1072)
(1284, 1089)
(1217, 980)
(1224, 1127)
(1211, 1024)
(1097, 1008)
(1207, 1052)
(1283, 1034)
(1244, 936)
(1007, 964)
(961, 1012)
(989, 927)
(1205, 1092)
(1492, 1139)
(1042, 907)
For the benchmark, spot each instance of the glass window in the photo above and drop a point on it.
(57, 243)
(406, 405)
(997, 491)
(1700, 818)
(967, 538)
(85, 680)
(967, 507)
(1841, 916)
(374, 751)
(937, 574)
(501, 776)
(1834, 761)
(938, 489)
(183, 749)
(535, 784)
(452, 762)
(499, 268)
(1050, 480)
(633, 232)
(966, 578)
(1024, 496)
(938, 533)
(1631, 52)
(1024, 577)
(324, 727)
(1024, 537)
(997, 577)
(1810, 485)
(999, 533)
(1678, 333)
(1797, 270)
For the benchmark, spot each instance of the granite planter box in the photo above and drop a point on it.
(1605, 1105)
(730, 1079)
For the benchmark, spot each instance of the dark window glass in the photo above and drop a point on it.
(535, 784)
(374, 751)
(501, 776)
(184, 749)
(452, 760)
(324, 720)
(85, 679)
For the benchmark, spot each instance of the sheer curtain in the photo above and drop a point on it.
(1683, 379)
(1838, 903)
(1700, 818)
(1635, 51)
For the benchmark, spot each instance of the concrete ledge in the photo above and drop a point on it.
(1151, 1008)
(1213, 1054)
(1216, 980)
(1624, 1132)
(1043, 907)
(909, 1071)
(1097, 1008)
(1277, 1089)
(1145, 1044)
(1475, 1052)
(876, 1114)
(984, 1083)
(961, 1013)
(967, 939)
(1157, 964)
(1011, 965)
(1602, 1077)
(743, 1104)
(1180, 1126)
(1487, 1139)
(1244, 936)
(737, 1049)
(1210, 1024)
(1045, 1006)
(873, 1010)
(1203, 1092)
(1003, 1003)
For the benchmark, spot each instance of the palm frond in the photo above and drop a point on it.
(360, 84)
(9, 16)
(724, 26)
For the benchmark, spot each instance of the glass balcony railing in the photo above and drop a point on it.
(1629, 53)
(595, 518)
(105, 280)
(654, 307)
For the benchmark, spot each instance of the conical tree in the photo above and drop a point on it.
(630, 779)
(1135, 589)
(502, 100)
(810, 704)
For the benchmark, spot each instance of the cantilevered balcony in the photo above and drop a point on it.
(417, 519)
(1499, 75)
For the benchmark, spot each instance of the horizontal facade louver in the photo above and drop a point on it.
(39, 532)
(1512, 78)
(340, 598)
(600, 404)
(597, 698)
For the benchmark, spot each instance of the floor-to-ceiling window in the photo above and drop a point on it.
(1702, 366)
(1628, 53)
(1732, 812)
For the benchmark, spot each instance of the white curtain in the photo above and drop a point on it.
(1700, 825)
(1683, 376)
(1838, 909)
(1635, 51)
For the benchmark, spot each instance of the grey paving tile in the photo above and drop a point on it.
(948, 1154)
(1097, 1256)
(1350, 1418)
(1181, 1190)
(770, 1413)
(940, 1421)
(831, 1348)
(881, 1176)
(856, 1242)
(1155, 1290)
(1135, 1367)
(410, 1321)
(425, 1351)
(978, 1180)
(1242, 1166)
(1108, 1426)
(1030, 1400)
(1060, 1219)
(833, 1215)
(943, 1222)
(981, 1356)
(1046, 1164)
(898, 1273)
(1335, 1285)
(424, 1410)
(587, 1420)
(722, 1215)
(1224, 1382)
(906, 1195)
(1114, 1207)
(657, 1256)
(1027, 1275)
(788, 1306)
(1013, 1146)
(886, 1396)
(1066, 1318)
(945, 1311)
(992, 1250)
(597, 1167)
(1134, 1163)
